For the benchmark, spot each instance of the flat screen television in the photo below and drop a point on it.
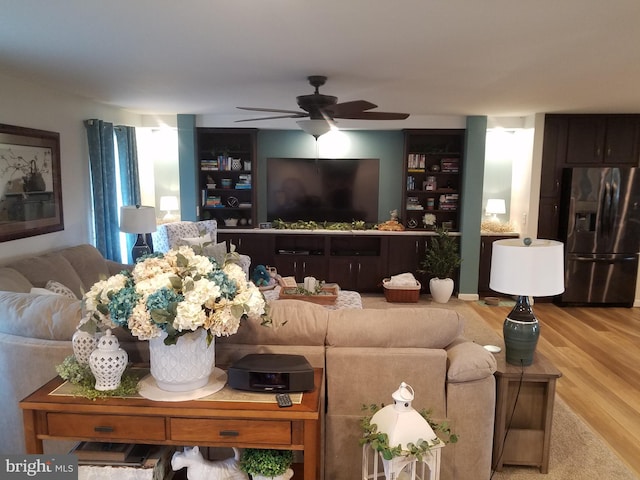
(323, 190)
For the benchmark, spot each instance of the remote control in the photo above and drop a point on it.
(284, 400)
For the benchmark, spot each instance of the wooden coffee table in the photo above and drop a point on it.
(196, 422)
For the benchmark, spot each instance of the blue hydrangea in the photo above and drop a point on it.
(161, 299)
(228, 288)
(122, 303)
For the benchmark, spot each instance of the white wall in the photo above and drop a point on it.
(30, 105)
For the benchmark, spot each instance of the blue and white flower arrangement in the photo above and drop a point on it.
(176, 292)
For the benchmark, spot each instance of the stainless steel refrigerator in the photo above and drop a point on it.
(600, 225)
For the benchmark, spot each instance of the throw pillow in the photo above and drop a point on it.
(60, 289)
(218, 251)
(195, 241)
(42, 291)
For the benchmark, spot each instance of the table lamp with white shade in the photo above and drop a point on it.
(168, 203)
(495, 207)
(140, 220)
(525, 268)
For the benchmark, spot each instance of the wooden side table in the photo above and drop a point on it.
(528, 439)
(196, 422)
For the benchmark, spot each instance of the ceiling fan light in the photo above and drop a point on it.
(315, 128)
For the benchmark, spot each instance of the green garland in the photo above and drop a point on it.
(80, 375)
(311, 225)
(379, 441)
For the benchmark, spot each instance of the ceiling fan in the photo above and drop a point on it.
(318, 106)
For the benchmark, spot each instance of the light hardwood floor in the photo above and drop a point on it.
(598, 352)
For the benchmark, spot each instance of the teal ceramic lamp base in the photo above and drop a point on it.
(521, 331)
(140, 248)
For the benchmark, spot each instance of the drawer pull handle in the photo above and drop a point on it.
(229, 433)
(103, 429)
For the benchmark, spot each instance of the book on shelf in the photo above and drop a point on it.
(98, 451)
(213, 201)
(209, 164)
(449, 165)
(416, 161)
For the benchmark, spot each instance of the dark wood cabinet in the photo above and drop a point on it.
(405, 254)
(484, 272)
(227, 161)
(300, 266)
(361, 273)
(603, 139)
(549, 218)
(432, 177)
(259, 248)
(355, 261)
(553, 155)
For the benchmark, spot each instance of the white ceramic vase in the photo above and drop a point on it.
(83, 344)
(184, 366)
(108, 362)
(441, 289)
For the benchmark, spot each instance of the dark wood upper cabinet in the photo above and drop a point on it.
(554, 152)
(603, 139)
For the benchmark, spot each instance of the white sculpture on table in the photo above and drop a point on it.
(200, 469)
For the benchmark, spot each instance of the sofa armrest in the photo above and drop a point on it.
(116, 267)
(468, 361)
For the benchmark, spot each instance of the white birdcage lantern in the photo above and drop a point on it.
(403, 425)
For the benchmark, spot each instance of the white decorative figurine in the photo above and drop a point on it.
(200, 469)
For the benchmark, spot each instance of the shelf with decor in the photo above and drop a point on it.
(432, 173)
(227, 160)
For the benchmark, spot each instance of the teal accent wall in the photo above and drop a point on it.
(187, 167)
(471, 208)
(385, 145)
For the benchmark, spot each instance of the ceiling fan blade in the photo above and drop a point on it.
(297, 115)
(345, 108)
(274, 110)
(374, 116)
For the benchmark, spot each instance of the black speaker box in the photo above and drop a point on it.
(268, 372)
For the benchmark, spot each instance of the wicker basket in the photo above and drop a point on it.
(401, 294)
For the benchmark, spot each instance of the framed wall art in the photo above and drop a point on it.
(30, 184)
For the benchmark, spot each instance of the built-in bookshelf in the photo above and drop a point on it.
(226, 176)
(432, 173)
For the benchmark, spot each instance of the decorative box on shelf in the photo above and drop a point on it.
(401, 293)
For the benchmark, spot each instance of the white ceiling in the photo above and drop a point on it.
(424, 57)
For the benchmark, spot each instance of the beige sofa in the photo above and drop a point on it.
(365, 354)
(36, 329)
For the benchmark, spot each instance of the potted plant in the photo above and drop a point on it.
(267, 464)
(440, 261)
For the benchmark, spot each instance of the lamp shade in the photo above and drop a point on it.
(314, 127)
(137, 219)
(535, 269)
(496, 206)
(168, 203)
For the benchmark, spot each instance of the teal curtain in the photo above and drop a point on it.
(104, 181)
(129, 175)
(102, 167)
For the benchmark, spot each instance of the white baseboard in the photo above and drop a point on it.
(469, 297)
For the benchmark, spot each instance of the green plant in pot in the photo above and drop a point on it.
(264, 464)
(440, 261)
